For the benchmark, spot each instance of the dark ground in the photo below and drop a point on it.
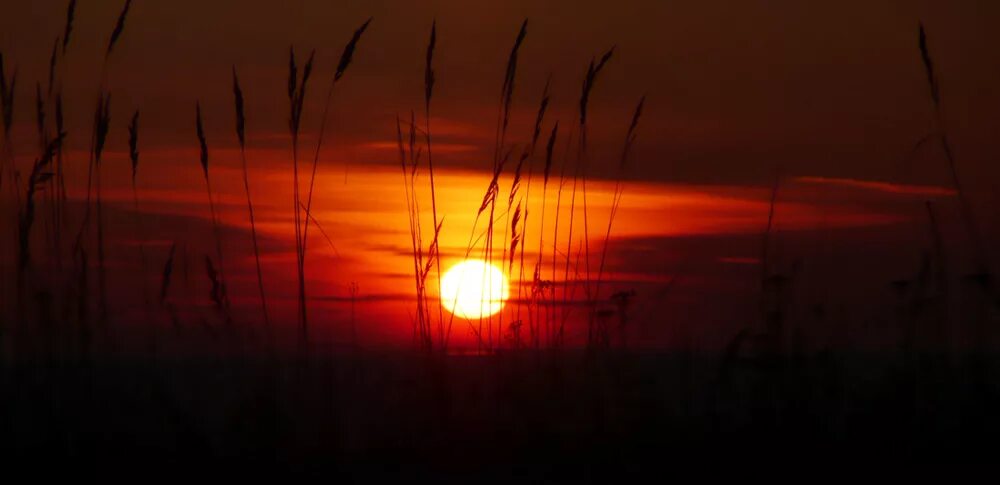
(548, 416)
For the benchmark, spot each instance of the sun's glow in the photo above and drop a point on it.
(473, 289)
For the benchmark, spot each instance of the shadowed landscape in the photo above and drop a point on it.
(542, 242)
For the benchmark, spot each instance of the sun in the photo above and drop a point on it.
(474, 289)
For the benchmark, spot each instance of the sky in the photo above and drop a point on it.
(828, 88)
(831, 95)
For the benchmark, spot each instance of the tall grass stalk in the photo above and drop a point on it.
(765, 254)
(52, 194)
(133, 155)
(581, 174)
(97, 140)
(7, 89)
(40, 121)
(61, 198)
(37, 180)
(619, 190)
(241, 135)
(119, 28)
(971, 225)
(342, 65)
(409, 207)
(296, 99)
(165, 279)
(7, 165)
(429, 81)
(219, 289)
(409, 156)
(539, 285)
(559, 333)
(58, 196)
(521, 239)
(506, 99)
(501, 156)
(68, 29)
(410, 218)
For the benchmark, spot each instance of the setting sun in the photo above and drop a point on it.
(474, 289)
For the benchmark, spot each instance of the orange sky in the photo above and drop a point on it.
(365, 221)
(832, 92)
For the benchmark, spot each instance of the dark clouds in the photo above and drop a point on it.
(828, 88)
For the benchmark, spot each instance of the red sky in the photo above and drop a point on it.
(832, 92)
(831, 88)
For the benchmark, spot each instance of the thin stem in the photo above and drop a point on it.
(437, 247)
(253, 234)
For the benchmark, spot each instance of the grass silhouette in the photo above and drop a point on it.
(546, 399)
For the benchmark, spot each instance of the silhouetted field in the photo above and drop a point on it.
(563, 416)
(185, 383)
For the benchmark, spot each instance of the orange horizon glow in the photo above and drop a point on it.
(363, 239)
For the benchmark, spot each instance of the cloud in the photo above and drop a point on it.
(885, 187)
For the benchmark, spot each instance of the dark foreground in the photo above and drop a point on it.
(547, 416)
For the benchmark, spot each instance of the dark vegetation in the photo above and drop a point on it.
(531, 404)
